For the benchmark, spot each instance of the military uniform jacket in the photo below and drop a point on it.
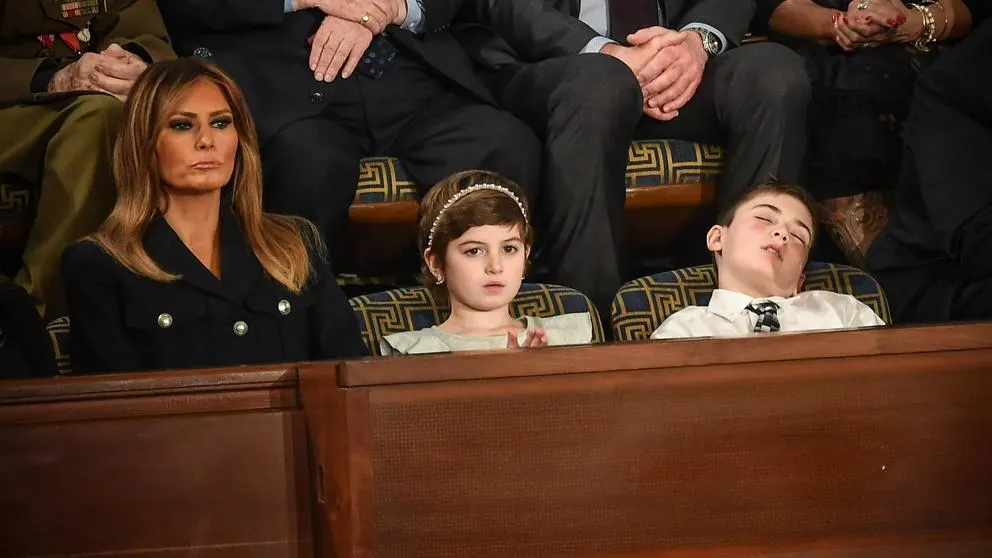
(31, 35)
(121, 321)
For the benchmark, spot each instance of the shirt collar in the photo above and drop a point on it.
(730, 304)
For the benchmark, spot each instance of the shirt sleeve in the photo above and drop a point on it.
(287, 6)
(675, 326)
(860, 314)
(596, 44)
(414, 21)
(719, 35)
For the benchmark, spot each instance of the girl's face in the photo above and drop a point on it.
(485, 266)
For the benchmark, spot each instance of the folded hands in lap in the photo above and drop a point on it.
(113, 71)
(668, 65)
(337, 46)
(872, 23)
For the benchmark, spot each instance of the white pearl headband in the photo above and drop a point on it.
(475, 188)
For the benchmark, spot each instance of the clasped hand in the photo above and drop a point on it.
(347, 31)
(112, 70)
(875, 22)
(669, 67)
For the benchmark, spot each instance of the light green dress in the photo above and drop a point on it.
(567, 329)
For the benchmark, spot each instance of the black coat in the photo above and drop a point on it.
(121, 321)
(267, 53)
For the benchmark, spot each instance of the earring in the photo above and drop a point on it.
(440, 280)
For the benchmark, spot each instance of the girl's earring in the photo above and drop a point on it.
(440, 280)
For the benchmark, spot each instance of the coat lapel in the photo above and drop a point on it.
(239, 266)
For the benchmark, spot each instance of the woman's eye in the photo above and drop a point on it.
(510, 249)
(221, 123)
(473, 251)
(180, 124)
(800, 239)
(763, 219)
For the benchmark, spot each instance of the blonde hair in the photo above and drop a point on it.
(478, 208)
(281, 243)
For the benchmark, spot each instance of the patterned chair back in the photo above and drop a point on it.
(641, 305)
(413, 308)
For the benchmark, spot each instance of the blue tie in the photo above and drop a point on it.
(379, 54)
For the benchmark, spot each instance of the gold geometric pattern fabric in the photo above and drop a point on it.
(649, 163)
(641, 305)
(58, 330)
(16, 207)
(665, 162)
(383, 179)
(413, 308)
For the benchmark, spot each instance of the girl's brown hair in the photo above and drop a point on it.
(281, 243)
(479, 208)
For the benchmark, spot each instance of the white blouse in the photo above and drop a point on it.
(727, 315)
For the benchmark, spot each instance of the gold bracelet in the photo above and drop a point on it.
(944, 31)
(926, 37)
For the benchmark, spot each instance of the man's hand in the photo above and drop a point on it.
(337, 46)
(641, 58)
(374, 15)
(118, 71)
(113, 71)
(683, 71)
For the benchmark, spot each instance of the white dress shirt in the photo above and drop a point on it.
(727, 315)
(596, 14)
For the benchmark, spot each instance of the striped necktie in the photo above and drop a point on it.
(767, 312)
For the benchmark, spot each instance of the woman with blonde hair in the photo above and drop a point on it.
(188, 271)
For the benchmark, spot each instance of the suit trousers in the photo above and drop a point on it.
(587, 108)
(63, 147)
(934, 259)
(433, 126)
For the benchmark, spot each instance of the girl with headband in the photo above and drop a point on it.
(475, 237)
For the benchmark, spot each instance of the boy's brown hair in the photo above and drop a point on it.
(727, 217)
(479, 208)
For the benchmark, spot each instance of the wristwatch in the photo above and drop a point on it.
(711, 42)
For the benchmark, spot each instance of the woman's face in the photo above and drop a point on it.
(198, 146)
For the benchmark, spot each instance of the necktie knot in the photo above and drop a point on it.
(767, 312)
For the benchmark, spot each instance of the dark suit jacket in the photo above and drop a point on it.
(121, 321)
(267, 53)
(515, 31)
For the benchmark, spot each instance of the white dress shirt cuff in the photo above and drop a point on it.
(596, 44)
(711, 29)
(287, 6)
(414, 21)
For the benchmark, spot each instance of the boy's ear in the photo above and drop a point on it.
(715, 238)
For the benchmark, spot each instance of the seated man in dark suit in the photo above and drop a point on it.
(692, 85)
(934, 259)
(414, 95)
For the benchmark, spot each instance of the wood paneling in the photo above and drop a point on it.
(170, 464)
(828, 444)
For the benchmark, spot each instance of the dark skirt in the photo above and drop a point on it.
(860, 101)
